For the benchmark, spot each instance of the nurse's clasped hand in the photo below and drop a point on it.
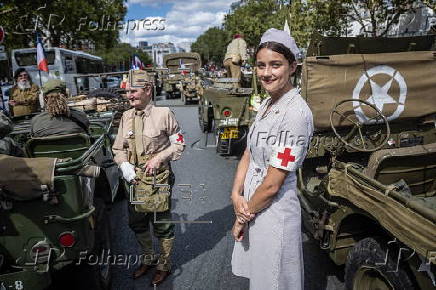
(238, 231)
(240, 206)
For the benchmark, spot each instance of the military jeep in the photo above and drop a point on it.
(55, 210)
(180, 66)
(192, 89)
(367, 186)
(225, 110)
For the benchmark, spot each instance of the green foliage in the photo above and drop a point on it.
(328, 17)
(62, 22)
(254, 18)
(308, 16)
(382, 14)
(122, 53)
(211, 45)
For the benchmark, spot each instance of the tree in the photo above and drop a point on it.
(254, 18)
(378, 16)
(307, 16)
(121, 54)
(62, 22)
(211, 45)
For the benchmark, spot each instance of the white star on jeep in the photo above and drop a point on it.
(380, 95)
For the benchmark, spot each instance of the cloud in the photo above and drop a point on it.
(183, 22)
(150, 2)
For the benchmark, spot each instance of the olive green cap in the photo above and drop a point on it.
(54, 85)
(139, 78)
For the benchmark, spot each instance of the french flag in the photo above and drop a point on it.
(41, 60)
(137, 63)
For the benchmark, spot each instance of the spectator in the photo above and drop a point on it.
(24, 94)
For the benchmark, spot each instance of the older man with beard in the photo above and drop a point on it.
(24, 94)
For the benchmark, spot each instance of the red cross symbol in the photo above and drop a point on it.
(180, 139)
(286, 157)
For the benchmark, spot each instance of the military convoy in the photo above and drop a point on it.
(367, 186)
(180, 80)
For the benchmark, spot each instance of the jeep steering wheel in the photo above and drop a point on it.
(361, 142)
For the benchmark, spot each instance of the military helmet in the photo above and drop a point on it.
(54, 86)
(139, 78)
(5, 125)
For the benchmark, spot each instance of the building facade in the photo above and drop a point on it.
(157, 51)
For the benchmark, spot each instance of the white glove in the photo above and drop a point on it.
(128, 171)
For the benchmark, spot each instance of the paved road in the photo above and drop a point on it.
(203, 251)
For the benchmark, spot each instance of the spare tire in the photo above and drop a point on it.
(370, 266)
(107, 93)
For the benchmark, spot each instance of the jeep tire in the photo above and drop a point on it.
(365, 268)
(107, 93)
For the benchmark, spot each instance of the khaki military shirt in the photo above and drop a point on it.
(27, 100)
(238, 47)
(161, 135)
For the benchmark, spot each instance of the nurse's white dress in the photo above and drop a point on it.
(270, 254)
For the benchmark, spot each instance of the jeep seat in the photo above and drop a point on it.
(62, 146)
(415, 165)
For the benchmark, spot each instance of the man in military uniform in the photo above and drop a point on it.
(236, 54)
(58, 118)
(148, 139)
(23, 95)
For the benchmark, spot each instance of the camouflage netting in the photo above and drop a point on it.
(401, 85)
(408, 226)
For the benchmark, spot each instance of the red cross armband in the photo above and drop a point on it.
(286, 157)
(177, 139)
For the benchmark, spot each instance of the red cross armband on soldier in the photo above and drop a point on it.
(287, 157)
(177, 139)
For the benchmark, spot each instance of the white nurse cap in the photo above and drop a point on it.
(280, 36)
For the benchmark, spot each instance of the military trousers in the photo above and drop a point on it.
(140, 222)
(233, 70)
(162, 228)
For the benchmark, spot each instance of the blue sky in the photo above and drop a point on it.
(138, 11)
(183, 21)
